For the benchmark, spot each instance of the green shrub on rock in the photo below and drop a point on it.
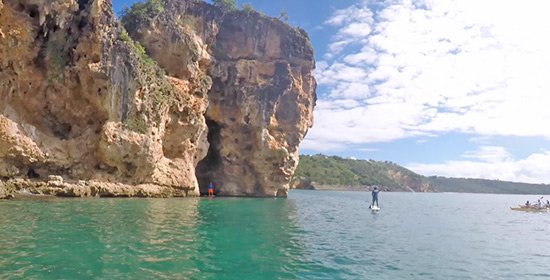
(141, 11)
(247, 8)
(227, 5)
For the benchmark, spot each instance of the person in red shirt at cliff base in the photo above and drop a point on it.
(210, 189)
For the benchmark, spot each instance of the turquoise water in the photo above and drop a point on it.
(310, 235)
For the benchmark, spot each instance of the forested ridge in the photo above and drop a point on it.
(333, 172)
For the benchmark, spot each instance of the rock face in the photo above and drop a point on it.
(411, 183)
(6, 192)
(84, 110)
(263, 92)
(79, 99)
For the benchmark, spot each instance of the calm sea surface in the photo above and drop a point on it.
(310, 235)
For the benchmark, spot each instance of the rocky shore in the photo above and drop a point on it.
(56, 186)
(357, 188)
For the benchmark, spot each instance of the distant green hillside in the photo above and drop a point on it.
(332, 172)
(443, 184)
(339, 172)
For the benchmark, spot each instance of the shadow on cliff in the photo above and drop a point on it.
(207, 168)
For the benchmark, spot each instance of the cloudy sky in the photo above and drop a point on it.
(442, 87)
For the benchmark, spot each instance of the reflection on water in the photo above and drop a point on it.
(222, 238)
(244, 238)
(110, 239)
(310, 235)
(422, 236)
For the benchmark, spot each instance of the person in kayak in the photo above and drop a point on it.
(375, 192)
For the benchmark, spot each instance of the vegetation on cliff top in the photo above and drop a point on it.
(340, 172)
(227, 5)
(140, 12)
(247, 8)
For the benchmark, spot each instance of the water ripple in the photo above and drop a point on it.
(310, 235)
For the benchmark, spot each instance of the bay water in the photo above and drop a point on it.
(309, 235)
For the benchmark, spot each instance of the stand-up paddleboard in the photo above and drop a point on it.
(374, 208)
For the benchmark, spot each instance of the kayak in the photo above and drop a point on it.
(529, 209)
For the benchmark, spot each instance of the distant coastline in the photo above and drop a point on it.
(322, 172)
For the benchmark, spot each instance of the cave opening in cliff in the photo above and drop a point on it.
(82, 4)
(207, 168)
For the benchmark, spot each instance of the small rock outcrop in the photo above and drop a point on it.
(6, 191)
(302, 184)
(263, 92)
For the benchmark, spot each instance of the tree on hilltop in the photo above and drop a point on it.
(283, 16)
(227, 5)
(247, 8)
(140, 11)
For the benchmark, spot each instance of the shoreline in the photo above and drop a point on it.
(360, 188)
(55, 186)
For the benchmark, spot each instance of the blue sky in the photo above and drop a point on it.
(446, 87)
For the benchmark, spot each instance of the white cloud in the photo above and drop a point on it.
(533, 169)
(368, 150)
(399, 69)
(353, 14)
(366, 56)
(354, 25)
(489, 154)
(322, 146)
(337, 104)
(432, 67)
(340, 73)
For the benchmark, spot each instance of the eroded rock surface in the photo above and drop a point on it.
(85, 111)
(6, 191)
(262, 97)
(79, 99)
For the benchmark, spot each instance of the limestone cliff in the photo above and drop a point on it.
(84, 110)
(263, 93)
(80, 101)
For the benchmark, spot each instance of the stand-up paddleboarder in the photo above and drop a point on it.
(375, 192)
